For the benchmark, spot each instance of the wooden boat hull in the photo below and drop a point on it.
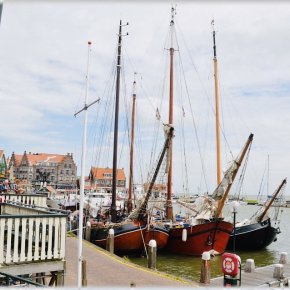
(209, 236)
(159, 233)
(254, 236)
(130, 237)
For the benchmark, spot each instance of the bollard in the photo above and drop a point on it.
(110, 241)
(152, 254)
(278, 271)
(205, 268)
(84, 273)
(88, 231)
(250, 266)
(283, 258)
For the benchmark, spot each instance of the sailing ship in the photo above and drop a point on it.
(132, 234)
(207, 231)
(257, 232)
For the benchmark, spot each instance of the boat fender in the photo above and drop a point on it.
(230, 264)
(184, 235)
(111, 232)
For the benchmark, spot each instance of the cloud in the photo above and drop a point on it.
(43, 60)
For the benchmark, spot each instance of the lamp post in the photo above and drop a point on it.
(235, 206)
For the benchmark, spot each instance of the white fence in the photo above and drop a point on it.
(29, 199)
(31, 235)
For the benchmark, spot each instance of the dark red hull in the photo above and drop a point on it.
(158, 233)
(130, 237)
(208, 236)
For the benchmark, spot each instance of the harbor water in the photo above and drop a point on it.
(189, 267)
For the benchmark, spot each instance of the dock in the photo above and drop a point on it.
(260, 277)
(106, 269)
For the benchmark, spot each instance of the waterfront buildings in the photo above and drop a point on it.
(35, 169)
(102, 178)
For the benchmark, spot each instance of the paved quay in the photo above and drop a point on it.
(105, 269)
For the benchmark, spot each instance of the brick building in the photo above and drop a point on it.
(60, 171)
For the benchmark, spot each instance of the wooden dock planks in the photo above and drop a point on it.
(261, 277)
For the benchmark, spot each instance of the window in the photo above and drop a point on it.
(69, 166)
(52, 178)
(67, 172)
(61, 172)
(65, 165)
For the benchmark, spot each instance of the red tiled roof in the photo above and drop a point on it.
(98, 173)
(18, 159)
(44, 157)
(1, 153)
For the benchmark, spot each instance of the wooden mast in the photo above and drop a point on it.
(115, 152)
(218, 148)
(129, 204)
(169, 212)
(272, 200)
(238, 164)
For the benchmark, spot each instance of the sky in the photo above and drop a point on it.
(43, 62)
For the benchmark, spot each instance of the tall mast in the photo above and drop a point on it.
(130, 205)
(82, 180)
(169, 213)
(82, 183)
(115, 154)
(218, 148)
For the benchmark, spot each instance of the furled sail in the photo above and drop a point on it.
(226, 181)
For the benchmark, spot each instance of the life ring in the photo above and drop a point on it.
(230, 264)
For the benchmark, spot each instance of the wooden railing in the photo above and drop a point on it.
(28, 234)
(29, 199)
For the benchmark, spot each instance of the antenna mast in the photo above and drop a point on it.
(83, 161)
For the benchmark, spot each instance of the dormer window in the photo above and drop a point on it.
(108, 175)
